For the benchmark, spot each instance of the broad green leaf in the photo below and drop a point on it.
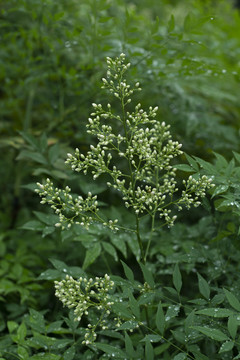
(37, 321)
(213, 334)
(50, 274)
(161, 349)
(113, 351)
(233, 301)
(172, 312)
(189, 321)
(46, 356)
(121, 310)
(48, 219)
(33, 225)
(53, 153)
(128, 272)
(69, 353)
(22, 353)
(91, 255)
(148, 277)
(177, 278)
(215, 312)
(219, 190)
(203, 287)
(59, 265)
(227, 346)
(12, 325)
(151, 338)
(232, 326)
(149, 354)
(129, 346)
(160, 319)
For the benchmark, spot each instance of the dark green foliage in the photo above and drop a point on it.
(184, 302)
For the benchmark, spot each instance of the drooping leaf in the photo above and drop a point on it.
(232, 326)
(160, 319)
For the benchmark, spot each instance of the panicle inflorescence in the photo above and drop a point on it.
(147, 181)
(84, 295)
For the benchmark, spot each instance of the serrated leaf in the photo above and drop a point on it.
(148, 277)
(160, 319)
(215, 312)
(91, 255)
(232, 326)
(129, 346)
(128, 272)
(233, 301)
(213, 334)
(111, 350)
(203, 287)
(177, 278)
(149, 354)
(35, 156)
(227, 346)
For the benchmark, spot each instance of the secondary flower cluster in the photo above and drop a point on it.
(82, 295)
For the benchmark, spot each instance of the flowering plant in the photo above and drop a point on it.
(147, 181)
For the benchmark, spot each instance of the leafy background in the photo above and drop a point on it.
(185, 54)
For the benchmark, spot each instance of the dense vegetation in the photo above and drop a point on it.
(155, 284)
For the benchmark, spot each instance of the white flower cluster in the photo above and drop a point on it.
(67, 207)
(136, 152)
(82, 295)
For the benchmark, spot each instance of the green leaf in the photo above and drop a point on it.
(50, 274)
(219, 190)
(227, 346)
(48, 219)
(22, 353)
(129, 346)
(171, 24)
(183, 167)
(232, 326)
(128, 325)
(21, 332)
(69, 353)
(213, 334)
(172, 312)
(110, 250)
(36, 320)
(215, 312)
(33, 225)
(149, 354)
(233, 301)
(113, 351)
(148, 277)
(12, 325)
(177, 278)
(91, 255)
(192, 162)
(181, 356)
(59, 265)
(160, 319)
(30, 155)
(128, 272)
(203, 287)
(121, 310)
(134, 305)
